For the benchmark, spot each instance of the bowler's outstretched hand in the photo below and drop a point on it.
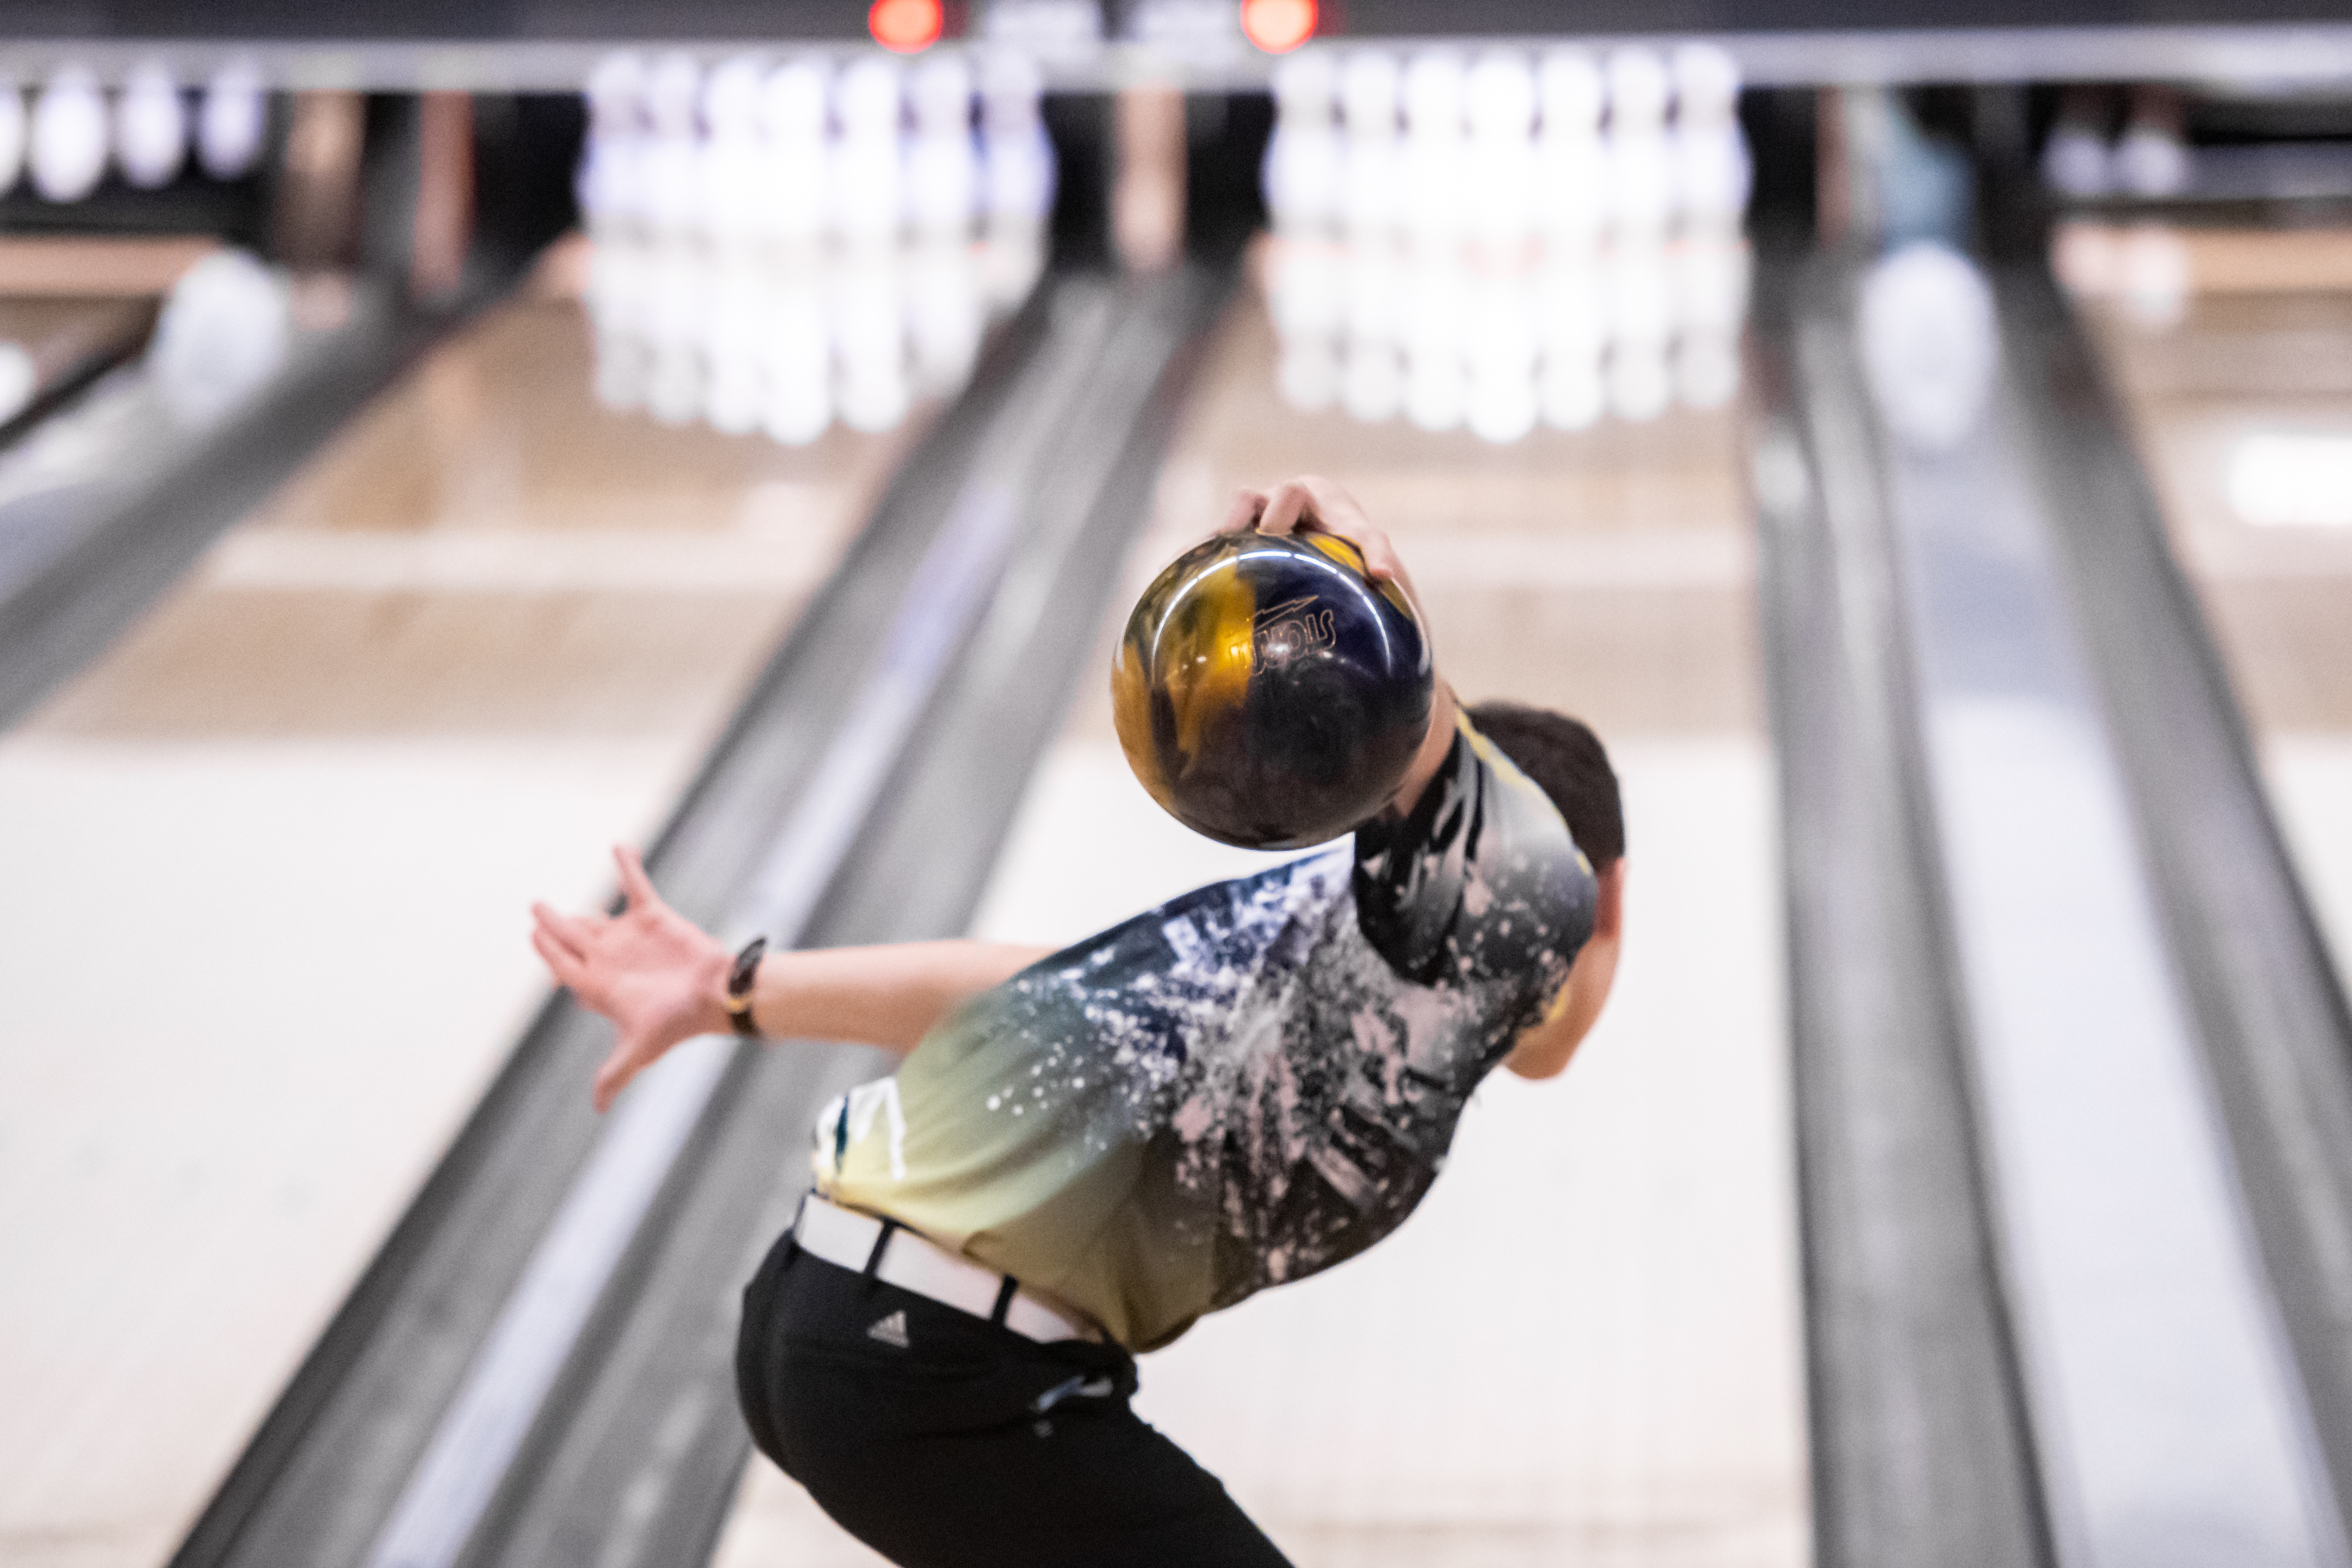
(649, 969)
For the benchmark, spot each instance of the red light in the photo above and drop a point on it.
(1278, 26)
(904, 27)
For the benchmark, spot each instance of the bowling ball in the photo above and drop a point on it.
(1268, 694)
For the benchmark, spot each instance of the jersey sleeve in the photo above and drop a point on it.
(1480, 881)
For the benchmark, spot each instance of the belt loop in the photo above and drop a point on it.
(1004, 1295)
(881, 1245)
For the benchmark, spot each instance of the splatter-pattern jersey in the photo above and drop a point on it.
(1241, 1087)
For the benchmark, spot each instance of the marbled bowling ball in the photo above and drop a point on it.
(1269, 693)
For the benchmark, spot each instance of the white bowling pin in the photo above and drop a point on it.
(1571, 163)
(151, 128)
(672, 170)
(1303, 161)
(1369, 87)
(870, 169)
(1434, 158)
(1504, 192)
(795, 197)
(233, 122)
(68, 140)
(1705, 83)
(729, 168)
(942, 168)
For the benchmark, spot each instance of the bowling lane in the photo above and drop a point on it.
(268, 862)
(2231, 350)
(1586, 1345)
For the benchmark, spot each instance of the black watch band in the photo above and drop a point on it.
(739, 988)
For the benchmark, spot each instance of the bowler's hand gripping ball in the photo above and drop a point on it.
(1267, 692)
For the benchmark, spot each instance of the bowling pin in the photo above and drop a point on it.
(793, 202)
(729, 165)
(942, 168)
(870, 169)
(604, 183)
(1503, 188)
(150, 129)
(69, 139)
(233, 122)
(1713, 171)
(1571, 162)
(1017, 168)
(224, 335)
(1369, 84)
(1640, 172)
(13, 135)
(1435, 161)
(2076, 160)
(1303, 160)
(2152, 160)
(673, 159)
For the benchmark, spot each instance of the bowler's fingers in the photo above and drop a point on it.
(1312, 505)
(1243, 514)
(630, 1055)
(635, 886)
(570, 932)
(561, 961)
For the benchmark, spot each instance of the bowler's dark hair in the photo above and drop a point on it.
(1567, 761)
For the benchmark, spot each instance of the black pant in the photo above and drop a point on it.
(971, 1446)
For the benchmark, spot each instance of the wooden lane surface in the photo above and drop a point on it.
(268, 864)
(1585, 1346)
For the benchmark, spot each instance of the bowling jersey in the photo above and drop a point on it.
(1241, 1087)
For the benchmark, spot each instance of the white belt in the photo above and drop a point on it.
(914, 1262)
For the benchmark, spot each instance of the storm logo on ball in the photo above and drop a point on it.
(1287, 629)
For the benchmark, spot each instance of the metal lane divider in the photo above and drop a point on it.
(484, 1426)
(2169, 1420)
(636, 1457)
(1921, 1454)
(323, 1471)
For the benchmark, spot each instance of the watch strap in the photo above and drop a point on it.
(739, 979)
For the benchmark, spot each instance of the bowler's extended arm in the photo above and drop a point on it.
(662, 979)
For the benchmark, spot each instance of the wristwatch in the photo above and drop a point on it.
(739, 988)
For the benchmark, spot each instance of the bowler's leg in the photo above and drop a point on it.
(968, 1445)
